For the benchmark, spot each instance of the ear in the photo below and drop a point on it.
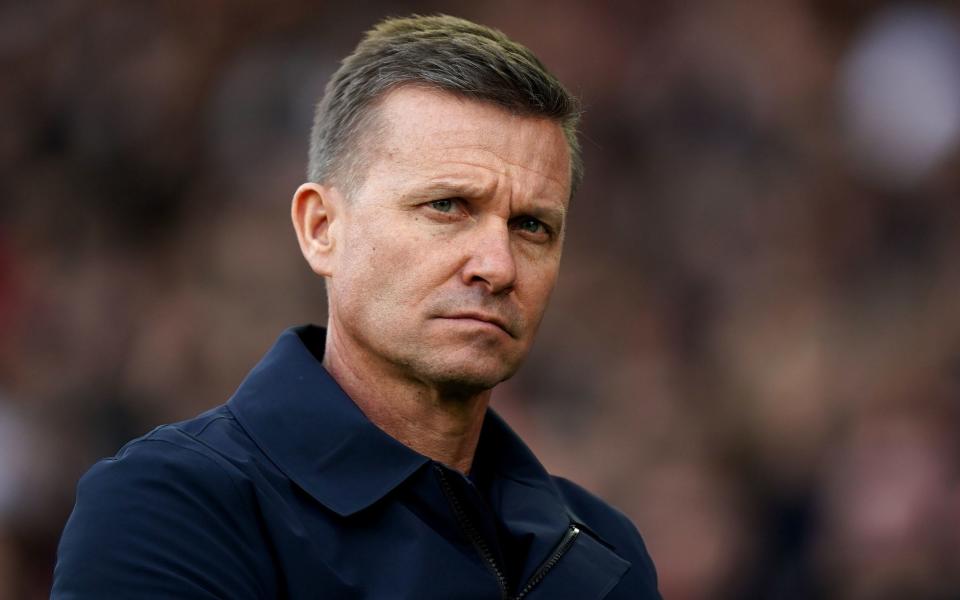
(313, 211)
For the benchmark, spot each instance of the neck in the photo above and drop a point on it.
(438, 424)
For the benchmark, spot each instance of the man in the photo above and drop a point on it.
(363, 460)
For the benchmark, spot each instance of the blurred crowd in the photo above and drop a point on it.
(754, 346)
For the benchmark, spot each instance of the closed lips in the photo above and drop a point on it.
(479, 317)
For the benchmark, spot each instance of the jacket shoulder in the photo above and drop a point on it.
(165, 517)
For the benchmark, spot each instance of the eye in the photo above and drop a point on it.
(446, 205)
(531, 225)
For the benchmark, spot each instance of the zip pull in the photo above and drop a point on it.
(565, 543)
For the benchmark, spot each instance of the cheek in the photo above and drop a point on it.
(396, 268)
(538, 278)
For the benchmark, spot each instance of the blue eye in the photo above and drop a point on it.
(445, 205)
(531, 225)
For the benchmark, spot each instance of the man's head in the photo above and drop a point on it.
(442, 245)
(439, 52)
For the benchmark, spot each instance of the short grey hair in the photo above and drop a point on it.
(440, 52)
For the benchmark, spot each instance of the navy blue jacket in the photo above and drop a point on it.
(289, 491)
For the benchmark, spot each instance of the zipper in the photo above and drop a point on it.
(484, 550)
(568, 539)
(475, 538)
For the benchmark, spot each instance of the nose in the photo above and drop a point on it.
(490, 261)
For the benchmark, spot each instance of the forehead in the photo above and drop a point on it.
(424, 133)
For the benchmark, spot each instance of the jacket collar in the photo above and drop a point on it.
(306, 424)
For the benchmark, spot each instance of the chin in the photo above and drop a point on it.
(471, 378)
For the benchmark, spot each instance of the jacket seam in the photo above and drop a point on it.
(210, 459)
(233, 483)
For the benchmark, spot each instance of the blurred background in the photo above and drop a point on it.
(754, 348)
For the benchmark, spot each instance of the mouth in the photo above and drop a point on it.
(490, 320)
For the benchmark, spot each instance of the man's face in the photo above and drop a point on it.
(445, 256)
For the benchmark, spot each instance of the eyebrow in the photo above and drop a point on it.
(454, 188)
(548, 213)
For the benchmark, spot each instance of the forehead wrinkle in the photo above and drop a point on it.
(497, 176)
(451, 140)
(504, 162)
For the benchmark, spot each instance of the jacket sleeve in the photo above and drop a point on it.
(160, 520)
